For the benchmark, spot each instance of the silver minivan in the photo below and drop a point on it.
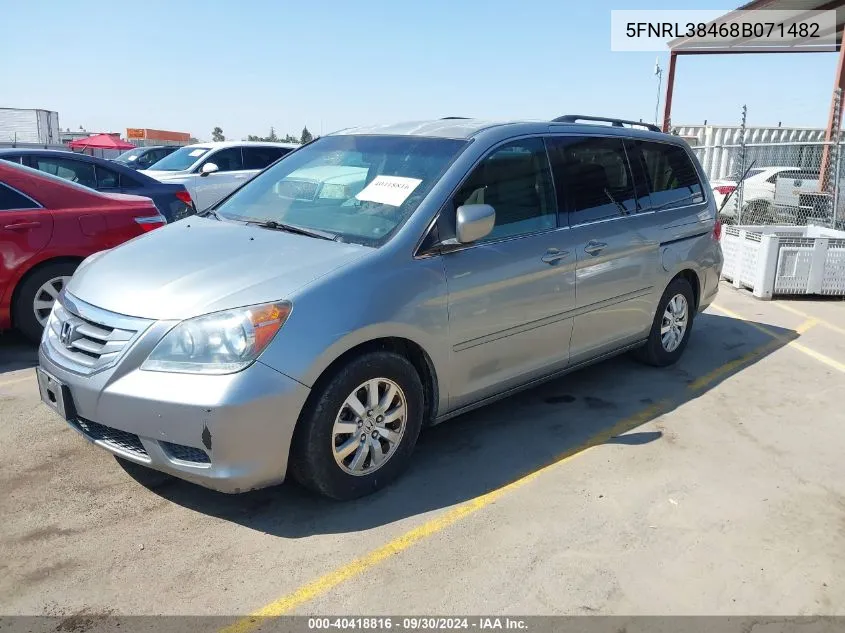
(376, 281)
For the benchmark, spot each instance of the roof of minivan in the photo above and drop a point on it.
(467, 128)
(219, 144)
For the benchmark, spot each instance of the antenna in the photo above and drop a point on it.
(658, 71)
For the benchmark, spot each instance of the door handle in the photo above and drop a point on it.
(554, 255)
(594, 248)
(20, 226)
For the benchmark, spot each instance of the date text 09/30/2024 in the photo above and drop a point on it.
(419, 623)
(798, 30)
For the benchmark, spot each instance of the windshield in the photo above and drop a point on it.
(181, 159)
(361, 188)
(129, 156)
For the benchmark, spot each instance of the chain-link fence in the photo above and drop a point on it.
(789, 182)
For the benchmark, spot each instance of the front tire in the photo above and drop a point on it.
(670, 330)
(358, 431)
(37, 295)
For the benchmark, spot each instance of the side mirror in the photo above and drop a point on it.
(208, 168)
(473, 222)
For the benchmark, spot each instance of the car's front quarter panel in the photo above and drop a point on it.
(385, 295)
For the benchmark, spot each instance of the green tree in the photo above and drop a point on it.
(217, 135)
(306, 136)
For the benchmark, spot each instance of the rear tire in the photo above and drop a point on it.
(36, 295)
(670, 330)
(344, 454)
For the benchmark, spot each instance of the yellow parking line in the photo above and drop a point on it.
(827, 324)
(827, 360)
(332, 579)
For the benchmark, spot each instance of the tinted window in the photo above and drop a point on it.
(11, 199)
(228, 159)
(797, 174)
(11, 158)
(260, 157)
(672, 177)
(515, 180)
(127, 182)
(592, 177)
(106, 178)
(68, 169)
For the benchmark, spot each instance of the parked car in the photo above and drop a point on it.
(467, 261)
(144, 157)
(758, 195)
(48, 225)
(171, 199)
(211, 171)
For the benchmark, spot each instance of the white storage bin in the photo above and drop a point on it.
(784, 260)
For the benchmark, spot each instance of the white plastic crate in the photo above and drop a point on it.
(784, 260)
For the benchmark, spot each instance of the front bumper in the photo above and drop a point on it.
(229, 433)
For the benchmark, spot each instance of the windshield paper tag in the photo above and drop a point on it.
(197, 152)
(392, 190)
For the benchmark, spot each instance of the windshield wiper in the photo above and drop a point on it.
(210, 212)
(291, 228)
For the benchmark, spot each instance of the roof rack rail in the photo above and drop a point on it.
(573, 118)
(447, 118)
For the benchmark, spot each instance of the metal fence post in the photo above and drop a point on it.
(741, 168)
(831, 186)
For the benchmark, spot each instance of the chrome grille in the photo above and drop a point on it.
(111, 438)
(87, 339)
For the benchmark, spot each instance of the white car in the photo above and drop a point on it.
(758, 195)
(211, 171)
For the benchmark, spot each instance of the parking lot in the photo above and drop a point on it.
(716, 486)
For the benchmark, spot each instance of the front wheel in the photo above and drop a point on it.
(671, 327)
(359, 430)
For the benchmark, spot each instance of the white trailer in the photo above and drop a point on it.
(19, 125)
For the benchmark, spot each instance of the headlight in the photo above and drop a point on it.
(218, 343)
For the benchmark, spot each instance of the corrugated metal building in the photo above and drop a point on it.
(29, 126)
(717, 147)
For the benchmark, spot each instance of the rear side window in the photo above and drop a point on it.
(592, 177)
(12, 158)
(74, 170)
(671, 175)
(260, 157)
(12, 200)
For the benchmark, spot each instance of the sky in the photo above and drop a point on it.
(247, 65)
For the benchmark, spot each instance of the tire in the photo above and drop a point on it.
(24, 310)
(655, 352)
(318, 443)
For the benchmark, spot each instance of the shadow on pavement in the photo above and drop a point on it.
(16, 352)
(478, 452)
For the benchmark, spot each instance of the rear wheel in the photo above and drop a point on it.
(361, 428)
(36, 297)
(672, 324)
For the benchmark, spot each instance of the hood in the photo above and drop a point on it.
(201, 265)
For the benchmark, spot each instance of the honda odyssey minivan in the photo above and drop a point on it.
(376, 281)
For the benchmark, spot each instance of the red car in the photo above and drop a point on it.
(48, 225)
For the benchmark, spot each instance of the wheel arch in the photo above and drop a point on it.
(692, 277)
(405, 347)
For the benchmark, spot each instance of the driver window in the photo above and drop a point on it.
(515, 179)
(228, 159)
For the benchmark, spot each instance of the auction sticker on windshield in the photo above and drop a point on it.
(392, 190)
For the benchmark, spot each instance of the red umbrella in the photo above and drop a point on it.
(100, 141)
